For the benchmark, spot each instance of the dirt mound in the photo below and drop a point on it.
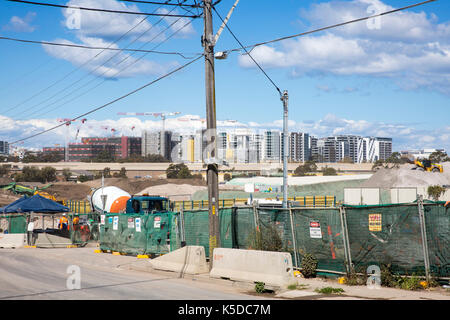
(69, 190)
(7, 197)
(136, 186)
(404, 176)
(174, 191)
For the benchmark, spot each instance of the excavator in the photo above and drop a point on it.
(427, 165)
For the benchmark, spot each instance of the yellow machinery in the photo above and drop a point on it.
(426, 165)
(49, 196)
(45, 195)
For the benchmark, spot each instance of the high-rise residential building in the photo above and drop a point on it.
(378, 148)
(272, 146)
(329, 149)
(299, 147)
(154, 142)
(4, 148)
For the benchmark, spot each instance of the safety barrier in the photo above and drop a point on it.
(186, 260)
(272, 268)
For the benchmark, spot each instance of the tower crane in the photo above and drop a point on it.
(163, 116)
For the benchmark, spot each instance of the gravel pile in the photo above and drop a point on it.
(404, 176)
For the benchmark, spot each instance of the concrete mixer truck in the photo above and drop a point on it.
(115, 200)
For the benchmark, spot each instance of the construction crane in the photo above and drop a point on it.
(163, 116)
(66, 142)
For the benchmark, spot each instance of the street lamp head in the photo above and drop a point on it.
(221, 55)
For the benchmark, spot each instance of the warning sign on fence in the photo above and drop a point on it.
(157, 222)
(131, 223)
(314, 230)
(375, 222)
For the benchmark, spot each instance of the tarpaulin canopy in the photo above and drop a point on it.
(35, 203)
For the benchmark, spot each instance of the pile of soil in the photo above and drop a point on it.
(404, 176)
(80, 191)
(6, 197)
(174, 191)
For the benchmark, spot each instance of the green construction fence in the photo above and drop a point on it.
(342, 239)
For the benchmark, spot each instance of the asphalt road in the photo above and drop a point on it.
(42, 274)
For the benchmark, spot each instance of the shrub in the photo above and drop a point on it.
(329, 172)
(266, 239)
(435, 192)
(309, 266)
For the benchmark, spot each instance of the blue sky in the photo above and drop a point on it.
(389, 77)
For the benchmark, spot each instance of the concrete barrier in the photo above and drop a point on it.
(45, 240)
(189, 259)
(12, 240)
(273, 268)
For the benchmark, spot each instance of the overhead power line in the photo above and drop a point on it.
(113, 101)
(95, 48)
(117, 73)
(332, 26)
(105, 10)
(196, 5)
(89, 60)
(242, 46)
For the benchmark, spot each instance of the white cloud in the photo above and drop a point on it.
(18, 24)
(411, 48)
(106, 63)
(103, 29)
(110, 26)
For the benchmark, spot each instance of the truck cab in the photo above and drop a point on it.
(147, 204)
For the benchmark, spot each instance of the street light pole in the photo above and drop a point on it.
(208, 42)
(285, 99)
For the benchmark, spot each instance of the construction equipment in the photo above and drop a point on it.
(427, 165)
(45, 195)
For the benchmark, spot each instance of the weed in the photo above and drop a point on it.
(329, 290)
(260, 287)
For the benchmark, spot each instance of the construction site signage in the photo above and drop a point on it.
(102, 219)
(157, 222)
(130, 223)
(116, 223)
(314, 230)
(375, 222)
(137, 223)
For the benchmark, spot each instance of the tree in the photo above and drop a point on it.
(107, 172)
(438, 156)
(395, 158)
(307, 167)
(48, 174)
(227, 177)
(178, 171)
(66, 173)
(329, 172)
(121, 174)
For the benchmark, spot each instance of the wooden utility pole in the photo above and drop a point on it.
(210, 156)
